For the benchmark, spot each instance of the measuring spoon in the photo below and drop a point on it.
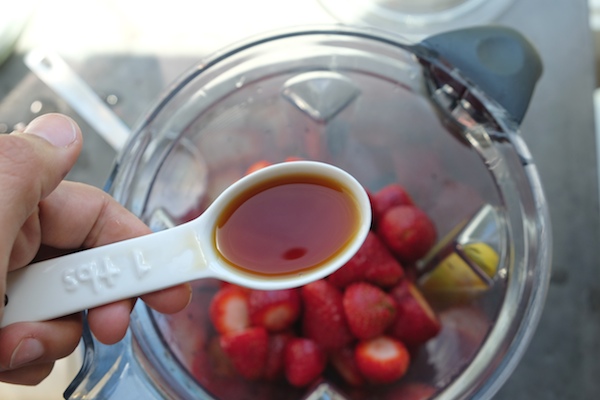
(194, 250)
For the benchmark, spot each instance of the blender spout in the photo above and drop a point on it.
(501, 61)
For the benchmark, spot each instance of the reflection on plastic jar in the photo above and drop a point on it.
(416, 17)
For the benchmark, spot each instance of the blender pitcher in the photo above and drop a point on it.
(441, 117)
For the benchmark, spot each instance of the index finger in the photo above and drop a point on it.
(77, 215)
(80, 216)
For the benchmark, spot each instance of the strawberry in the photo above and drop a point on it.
(293, 158)
(304, 361)
(228, 309)
(275, 356)
(224, 284)
(276, 310)
(382, 359)
(408, 232)
(385, 270)
(344, 362)
(256, 166)
(373, 262)
(353, 270)
(369, 310)
(415, 322)
(370, 196)
(247, 350)
(388, 197)
(323, 320)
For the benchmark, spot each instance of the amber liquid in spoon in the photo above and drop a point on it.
(287, 225)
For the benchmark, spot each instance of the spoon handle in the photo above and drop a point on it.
(102, 275)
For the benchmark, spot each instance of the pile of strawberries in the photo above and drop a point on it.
(363, 321)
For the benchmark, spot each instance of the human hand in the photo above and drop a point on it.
(40, 215)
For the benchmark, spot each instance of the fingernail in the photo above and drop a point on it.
(55, 128)
(28, 350)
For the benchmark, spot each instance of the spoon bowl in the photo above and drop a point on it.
(206, 248)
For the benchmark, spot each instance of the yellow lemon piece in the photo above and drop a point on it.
(484, 256)
(453, 276)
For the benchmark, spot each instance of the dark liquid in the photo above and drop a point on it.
(287, 225)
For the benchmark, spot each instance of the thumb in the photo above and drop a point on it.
(58, 130)
(32, 164)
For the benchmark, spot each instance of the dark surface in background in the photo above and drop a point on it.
(563, 359)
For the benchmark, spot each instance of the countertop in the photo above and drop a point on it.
(129, 51)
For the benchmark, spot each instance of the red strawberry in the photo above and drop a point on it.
(323, 319)
(370, 196)
(408, 232)
(415, 322)
(274, 367)
(373, 262)
(354, 269)
(247, 350)
(382, 359)
(388, 197)
(304, 361)
(276, 310)
(369, 310)
(344, 363)
(293, 158)
(385, 270)
(256, 166)
(229, 309)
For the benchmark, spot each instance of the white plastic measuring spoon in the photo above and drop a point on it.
(90, 278)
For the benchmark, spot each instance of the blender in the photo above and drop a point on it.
(440, 116)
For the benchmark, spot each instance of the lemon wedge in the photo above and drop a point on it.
(454, 277)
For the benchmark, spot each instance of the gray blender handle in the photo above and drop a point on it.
(501, 61)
